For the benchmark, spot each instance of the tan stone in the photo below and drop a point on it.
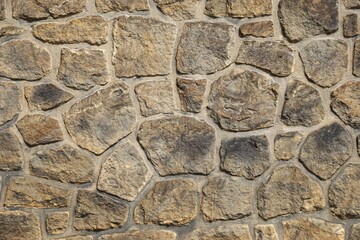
(57, 222)
(356, 59)
(355, 232)
(11, 152)
(257, 29)
(2, 9)
(10, 30)
(10, 101)
(141, 235)
(19, 225)
(191, 93)
(238, 9)
(351, 25)
(77, 238)
(286, 145)
(105, 6)
(352, 3)
(178, 9)
(265, 232)
(224, 232)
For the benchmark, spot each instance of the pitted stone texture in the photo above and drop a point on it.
(312, 228)
(265, 232)
(82, 69)
(247, 157)
(10, 30)
(41, 9)
(273, 56)
(124, 173)
(10, 101)
(178, 9)
(2, 9)
(24, 60)
(105, 6)
(205, 48)
(356, 60)
(177, 145)
(289, 191)
(326, 150)
(26, 192)
(95, 212)
(358, 144)
(76, 238)
(19, 225)
(355, 232)
(226, 199)
(142, 46)
(155, 97)
(102, 119)
(11, 152)
(238, 9)
(169, 202)
(243, 101)
(351, 25)
(352, 3)
(141, 235)
(191, 93)
(261, 29)
(286, 145)
(57, 222)
(303, 105)
(224, 232)
(325, 61)
(90, 29)
(65, 164)
(45, 96)
(302, 19)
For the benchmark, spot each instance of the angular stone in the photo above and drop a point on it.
(27, 192)
(142, 46)
(303, 19)
(312, 228)
(2, 9)
(352, 3)
(169, 202)
(303, 105)
(90, 29)
(105, 6)
(155, 97)
(178, 9)
(243, 101)
(355, 232)
(10, 101)
(65, 164)
(35, 60)
(39, 129)
(45, 96)
(272, 56)
(124, 173)
(286, 145)
(191, 93)
(226, 199)
(141, 235)
(95, 212)
(177, 145)
(205, 47)
(10, 30)
(57, 222)
(289, 191)
(326, 150)
(257, 29)
(11, 152)
(356, 66)
(265, 232)
(102, 119)
(18, 225)
(224, 232)
(345, 103)
(351, 25)
(76, 238)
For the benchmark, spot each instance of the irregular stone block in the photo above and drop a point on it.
(76, 238)
(265, 232)
(2, 9)
(19, 225)
(352, 3)
(358, 144)
(191, 93)
(10, 30)
(356, 60)
(137, 235)
(11, 152)
(257, 29)
(238, 9)
(105, 6)
(286, 145)
(57, 222)
(224, 232)
(355, 232)
(351, 25)
(178, 9)
(10, 101)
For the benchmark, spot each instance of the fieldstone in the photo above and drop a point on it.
(257, 29)
(351, 25)
(11, 153)
(326, 150)
(24, 60)
(45, 96)
(286, 145)
(141, 235)
(191, 93)
(289, 191)
(39, 129)
(2, 9)
(205, 48)
(10, 101)
(124, 173)
(355, 232)
(95, 212)
(224, 232)
(76, 238)
(105, 6)
(19, 225)
(57, 222)
(169, 202)
(345, 103)
(243, 101)
(27, 192)
(155, 97)
(273, 56)
(177, 145)
(304, 19)
(265, 232)
(247, 157)
(325, 61)
(10, 30)
(312, 228)
(90, 29)
(356, 60)
(102, 119)
(352, 3)
(226, 199)
(303, 105)
(142, 46)
(178, 9)
(65, 164)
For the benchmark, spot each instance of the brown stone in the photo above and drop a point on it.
(352, 3)
(265, 232)
(289, 191)
(11, 152)
(356, 60)
(105, 6)
(39, 129)
(191, 93)
(57, 222)
(178, 9)
(351, 25)
(10, 30)
(10, 101)
(177, 145)
(141, 235)
(90, 29)
(2, 9)
(358, 144)
(76, 238)
(355, 232)
(257, 29)
(223, 232)
(19, 225)
(169, 202)
(286, 145)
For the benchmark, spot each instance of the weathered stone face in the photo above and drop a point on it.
(76, 238)
(139, 235)
(358, 144)
(2, 9)
(19, 225)
(10, 97)
(57, 222)
(257, 29)
(352, 3)
(9, 30)
(191, 93)
(178, 9)
(105, 6)
(225, 232)
(238, 9)
(286, 145)
(11, 155)
(355, 232)
(265, 232)
(356, 64)
(351, 25)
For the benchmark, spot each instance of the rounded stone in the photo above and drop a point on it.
(10, 98)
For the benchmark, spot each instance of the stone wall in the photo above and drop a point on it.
(179, 119)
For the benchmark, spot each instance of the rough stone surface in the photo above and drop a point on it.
(273, 56)
(142, 46)
(358, 144)
(102, 119)
(286, 145)
(352, 3)
(2, 9)
(169, 202)
(10, 101)
(238, 9)
(356, 66)
(303, 105)
(205, 48)
(243, 101)
(11, 155)
(141, 235)
(265, 232)
(257, 29)
(178, 9)
(10, 30)
(247, 157)
(19, 225)
(76, 238)
(304, 19)
(225, 232)
(105, 6)
(326, 150)
(191, 93)
(289, 191)
(355, 232)
(57, 222)
(351, 25)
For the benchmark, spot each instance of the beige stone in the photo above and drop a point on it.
(238, 9)
(356, 59)
(352, 3)
(11, 151)
(265, 232)
(105, 6)
(223, 232)
(286, 145)
(257, 29)
(355, 232)
(2, 9)
(178, 9)
(10, 101)
(57, 222)
(191, 93)
(10, 30)
(76, 238)
(141, 235)
(351, 25)
(19, 225)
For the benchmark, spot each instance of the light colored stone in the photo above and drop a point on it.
(286, 145)
(178, 9)
(351, 25)
(257, 29)
(352, 3)
(224, 232)
(2, 9)
(266, 232)
(355, 232)
(10, 101)
(238, 9)
(10, 30)
(191, 93)
(76, 238)
(11, 152)
(141, 235)
(105, 6)
(19, 225)
(57, 222)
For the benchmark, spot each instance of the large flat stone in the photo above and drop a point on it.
(222, 232)
(141, 235)
(19, 225)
